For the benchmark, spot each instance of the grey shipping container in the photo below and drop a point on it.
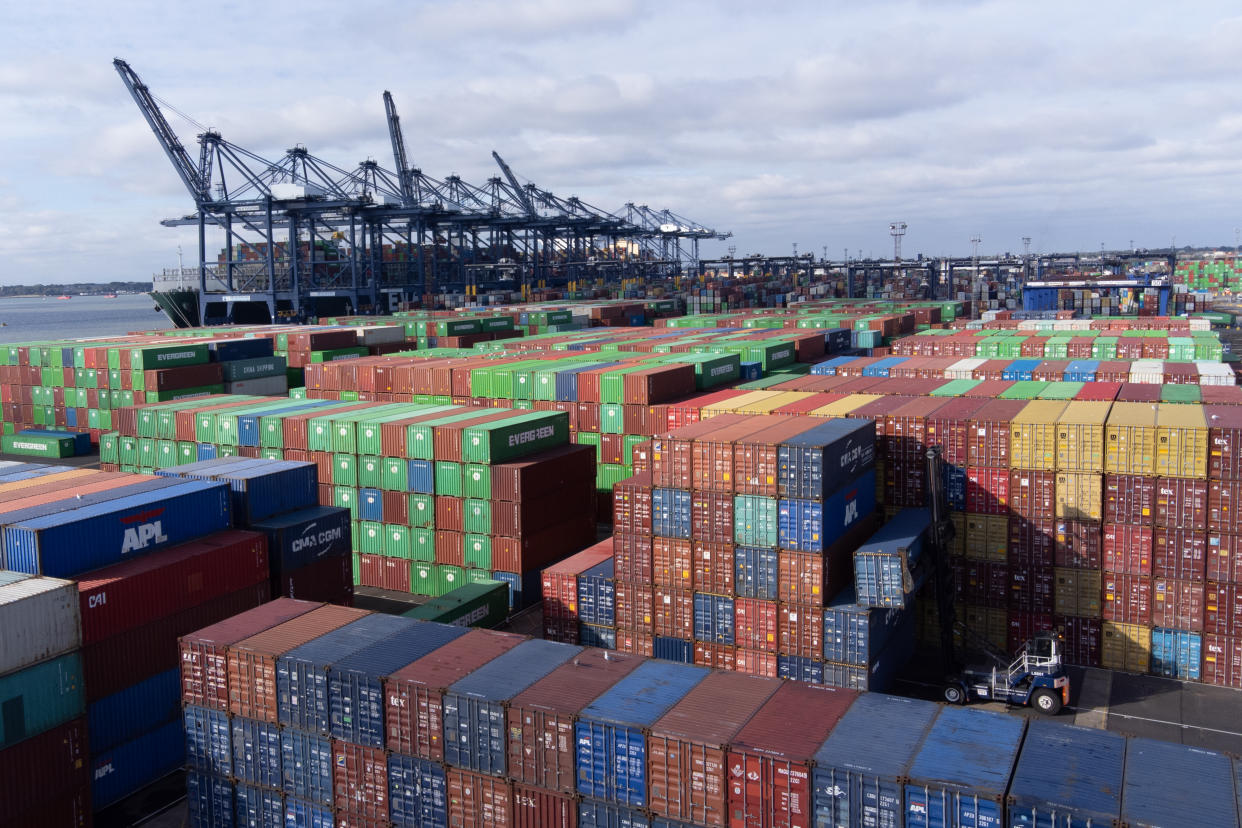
(1067, 777)
(888, 567)
(39, 620)
(1167, 784)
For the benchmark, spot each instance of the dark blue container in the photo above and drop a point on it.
(306, 766)
(302, 673)
(596, 602)
(303, 537)
(857, 778)
(276, 487)
(355, 689)
(1020, 370)
(855, 633)
(596, 635)
(820, 461)
(592, 813)
(567, 380)
(1067, 777)
(961, 774)
(475, 732)
(371, 505)
(417, 792)
(68, 543)
(670, 513)
(814, 526)
(300, 813)
(673, 649)
(878, 675)
(227, 350)
(208, 740)
(523, 589)
(421, 477)
(610, 733)
(135, 710)
(836, 339)
(756, 571)
(258, 807)
(205, 451)
(751, 371)
(256, 752)
(713, 617)
(1176, 653)
(888, 566)
(800, 668)
(210, 800)
(121, 771)
(1171, 784)
(955, 487)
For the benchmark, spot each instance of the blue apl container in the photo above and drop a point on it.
(596, 595)
(592, 813)
(355, 683)
(208, 740)
(820, 461)
(417, 792)
(475, 732)
(756, 571)
(1171, 784)
(256, 752)
(1176, 653)
(713, 617)
(960, 775)
(303, 537)
(306, 766)
(121, 771)
(258, 807)
(12, 516)
(670, 513)
(855, 633)
(1067, 777)
(299, 813)
(210, 800)
(800, 668)
(69, 543)
(135, 710)
(610, 733)
(814, 526)
(302, 673)
(858, 771)
(889, 566)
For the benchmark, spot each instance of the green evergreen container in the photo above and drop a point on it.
(504, 440)
(37, 445)
(473, 604)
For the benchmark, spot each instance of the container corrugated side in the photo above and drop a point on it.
(42, 769)
(119, 772)
(40, 697)
(1172, 784)
(1067, 776)
(39, 618)
(417, 792)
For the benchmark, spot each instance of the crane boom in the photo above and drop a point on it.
(398, 149)
(191, 176)
(518, 190)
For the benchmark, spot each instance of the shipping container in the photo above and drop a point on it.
(256, 755)
(360, 783)
(417, 792)
(478, 801)
(39, 617)
(40, 697)
(855, 633)
(42, 769)
(306, 766)
(890, 566)
(816, 462)
(1169, 784)
(1067, 777)
(119, 772)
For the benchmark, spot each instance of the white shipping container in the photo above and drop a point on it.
(38, 620)
(381, 334)
(1149, 371)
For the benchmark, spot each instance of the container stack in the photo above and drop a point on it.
(1222, 638)
(579, 598)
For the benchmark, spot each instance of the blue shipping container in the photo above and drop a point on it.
(300, 538)
(1171, 784)
(248, 432)
(302, 814)
(475, 733)
(756, 571)
(39, 698)
(1082, 370)
(857, 777)
(596, 603)
(878, 674)
(256, 751)
(306, 766)
(882, 367)
(960, 775)
(302, 673)
(118, 772)
(370, 505)
(829, 368)
(355, 689)
(1020, 370)
(888, 566)
(670, 513)
(713, 617)
(258, 807)
(227, 350)
(593, 813)
(800, 668)
(421, 477)
(597, 635)
(610, 733)
(208, 740)
(667, 648)
(523, 589)
(853, 632)
(1176, 653)
(210, 799)
(69, 543)
(1067, 777)
(417, 792)
(816, 463)
(135, 710)
(813, 526)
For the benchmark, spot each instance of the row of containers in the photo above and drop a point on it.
(1037, 369)
(1175, 346)
(303, 714)
(437, 495)
(99, 574)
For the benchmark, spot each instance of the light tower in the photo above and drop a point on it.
(975, 240)
(897, 229)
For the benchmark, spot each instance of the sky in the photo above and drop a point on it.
(808, 123)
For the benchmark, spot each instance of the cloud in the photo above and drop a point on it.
(528, 19)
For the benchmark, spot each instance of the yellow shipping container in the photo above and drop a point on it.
(1080, 436)
(997, 533)
(958, 546)
(1181, 441)
(736, 404)
(992, 624)
(1130, 439)
(1033, 436)
(1125, 647)
(1077, 592)
(1080, 496)
(842, 408)
(768, 405)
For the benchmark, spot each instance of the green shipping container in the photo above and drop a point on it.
(448, 478)
(477, 481)
(370, 538)
(483, 603)
(422, 545)
(370, 472)
(344, 470)
(109, 447)
(37, 445)
(163, 356)
(422, 511)
(478, 552)
(755, 521)
(39, 698)
(447, 578)
(397, 541)
(477, 516)
(504, 440)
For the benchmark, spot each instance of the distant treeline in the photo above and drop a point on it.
(75, 288)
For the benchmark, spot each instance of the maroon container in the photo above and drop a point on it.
(360, 780)
(1128, 549)
(1222, 609)
(537, 550)
(1130, 499)
(541, 718)
(672, 559)
(186, 376)
(985, 583)
(1078, 544)
(756, 466)
(1222, 660)
(449, 513)
(612, 449)
(414, 695)
(513, 519)
(587, 416)
(330, 580)
(1224, 505)
(635, 642)
(658, 384)
(1127, 598)
(711, 515)
(800, 631)
(1032, 590)
(1181, 503)
(632, 557)
(949, 427)
(716, 656)
(1082, 639)
(687, 763)
(1177, 604)
(1179, 553)
(396, 506)
(904, 483)
(631, 505)
(1224, 558)
(1023, 625)
(1224, 441)
(712, 456)
(809, 578)
(1032, 544)
(673, 612)
(1032, 494)
(478, 801)
(713, 567)
(987, 491)
(536, 808)
(987, 442)
(37, 772)
(396, 575)
(371, 571)
(754, 624)
(672, 461)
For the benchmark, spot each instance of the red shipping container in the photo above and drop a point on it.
(756, 466)
(478, 801)
(635, 642)
(770, 758)
(634, 605)
(204, 661)
(1181, 503)
(711, 457)
(718, 656)
(1128, 549)
(632, 557)
(687, 747)
(631, 505)
(371, 571)
(537, 550)
(672, 561)
(987, 491)
(754, 624)
(673, 612)
(38, 771)
(987, 583)
(987, 443)
(1127, 598)
(1222, 608)
(1032, 590)
(640, 458)
(1222, 660)
(1023, 626)
(414, 695)
(1178, 604)
(360, 780)
(252, 661)
(1179, 553)
(396, 575)
(560, 591)
(541, 718)
(1225, 506)
(1130, 499)
(672, 453)
(1224, 441)
(1082, 639)
(1031, 543)
(1032, 494)
(711, 515)
(1079, 544)
(536, 808)
(713, 567)
(1224, 558)
(800, 631)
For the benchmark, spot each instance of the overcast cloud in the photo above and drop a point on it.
(815, 123)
